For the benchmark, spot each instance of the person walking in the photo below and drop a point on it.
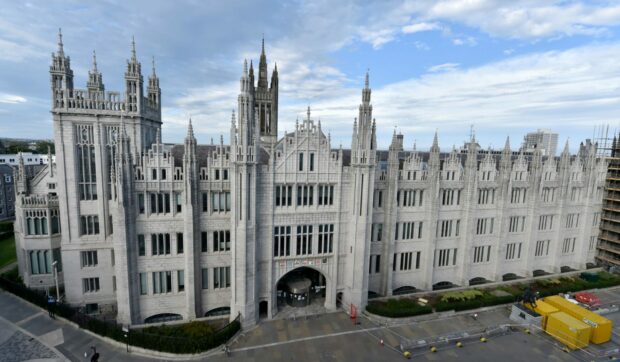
(50, 305)
(95, 356)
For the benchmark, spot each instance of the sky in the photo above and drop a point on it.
(499, 68)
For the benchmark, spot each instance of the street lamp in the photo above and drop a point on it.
(55, 265)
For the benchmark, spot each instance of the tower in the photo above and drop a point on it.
(153, 91)
(133, 82)
(244, 145)
(266, 101)
(95, 79)
(363, 158)
(61, 76)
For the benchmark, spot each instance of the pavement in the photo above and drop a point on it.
(27, 333)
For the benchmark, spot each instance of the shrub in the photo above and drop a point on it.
(398, 308)
(461, 296)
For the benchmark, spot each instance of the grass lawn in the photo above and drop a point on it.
(7, 250)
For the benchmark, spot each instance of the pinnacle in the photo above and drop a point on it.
(133, 48)
(367, 82)
(190, 129)
(60, 45)
(94, 61)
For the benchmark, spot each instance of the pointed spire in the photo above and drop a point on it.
(435, 141)
(190, 129)
(245, 67)
(60, 45)
(367, 82)
(232, 118)
(133, 48)
(275, 67)
(507, 145)
(263, 45)
(94, 61)
(153, 62)
(308, 112)
(565, 151)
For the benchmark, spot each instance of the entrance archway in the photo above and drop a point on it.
(304, 289)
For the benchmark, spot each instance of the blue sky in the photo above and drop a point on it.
(505, 67)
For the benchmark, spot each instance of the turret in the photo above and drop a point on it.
(61, 76)
(364, 142)
(153, 91)
(95, 79)
(134, 82)
(262, 68)
(433, 160)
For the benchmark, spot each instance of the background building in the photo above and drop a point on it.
(149, 232)
(544, 140)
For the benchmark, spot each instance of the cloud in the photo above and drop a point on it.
(471, 41)
(11, 98)
(418, 27)
(445, 67)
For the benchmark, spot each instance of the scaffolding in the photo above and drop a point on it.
(608, 246)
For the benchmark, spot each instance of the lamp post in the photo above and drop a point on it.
(55, 265)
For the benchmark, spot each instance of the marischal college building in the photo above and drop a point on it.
(151, 232)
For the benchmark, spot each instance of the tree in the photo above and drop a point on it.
(17, 147)
(42, 146)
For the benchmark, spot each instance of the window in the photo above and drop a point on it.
(518, 195)
(326, 238)
(221, 240)
(179, 201)
(86, 166)
(89, 258)
(55, 221)
(377, 200)
(486, 196)
(141, 203)
(160, 244)
(221, 277)
(163, 174)
(179, 243)
(90, 285)
(409, 198)
(445, 257)
(575, 194)
(542, 248)
(154, 174)
(376, 232)
(36, 223)
(162, 282)
(596, 218)
(568, 246)
(180, 280)
(548, 194)
(545, 222)
(40, 262)
(304, 240)
(57, 258)
(450, 197)
(408, 230)
(89, 225)
(406, 261)
(141, 247)
(448, 228)
(160, 202)
(326, 195)
(484, 226)
(482, 254)
(205, 278)
(516, 224)
(592, 243)
(282, 241)
(204, 243)
(205, 202)
(311, 161)
(305, 195)
(220, 201)
(301, 161)
(572, 221)
(374, 264)
(513, 251)
(284, 195)
(143, 284)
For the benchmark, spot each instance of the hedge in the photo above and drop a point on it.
(486, 300)
(396, 308)
(154, 338)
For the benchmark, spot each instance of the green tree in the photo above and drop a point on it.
(43, 145)
(17, 147)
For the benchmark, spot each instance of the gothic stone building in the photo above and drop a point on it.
(151, 231)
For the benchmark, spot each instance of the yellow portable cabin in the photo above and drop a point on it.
(544, 309)
(601, 326)
(568, 330)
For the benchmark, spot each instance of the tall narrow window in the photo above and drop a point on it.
(311, 161)
(301, 161)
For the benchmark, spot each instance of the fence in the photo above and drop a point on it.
(111, 329)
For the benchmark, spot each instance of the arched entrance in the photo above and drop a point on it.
(301, 290)
(163, 317)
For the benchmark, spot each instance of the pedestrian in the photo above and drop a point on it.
(50, 305)
(95, 356)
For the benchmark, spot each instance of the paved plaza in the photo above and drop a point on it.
(26, 333)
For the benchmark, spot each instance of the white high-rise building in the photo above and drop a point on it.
(152, 232)
(544, 140)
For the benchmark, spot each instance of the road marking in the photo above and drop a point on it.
(29, 318)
